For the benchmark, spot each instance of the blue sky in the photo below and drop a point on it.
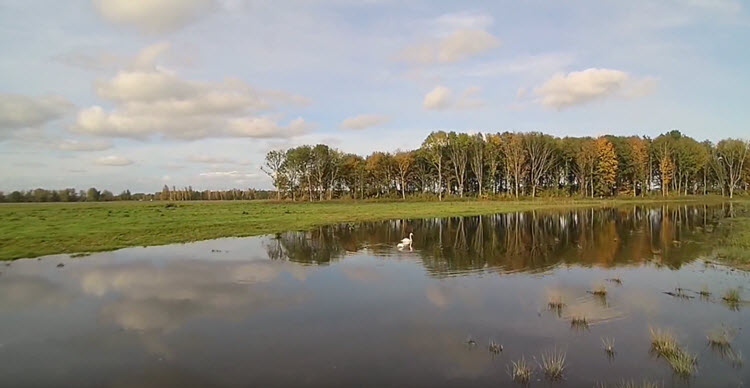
(134, 94)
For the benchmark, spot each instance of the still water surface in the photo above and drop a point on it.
(342, 306)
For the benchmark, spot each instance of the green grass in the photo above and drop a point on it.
(683, 362)
(30, 230)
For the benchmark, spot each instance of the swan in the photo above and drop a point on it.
(407, 241)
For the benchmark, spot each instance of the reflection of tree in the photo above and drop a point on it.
(529, 241)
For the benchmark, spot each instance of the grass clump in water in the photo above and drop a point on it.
(720, 339)
(632, 384)
(520, 371)
(609, 346)
(732, 295)
(665, 346)
(599, 290)
(704, 293)
(553, 364)
(579, 323)
(555, 303)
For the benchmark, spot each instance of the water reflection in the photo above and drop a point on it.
(530, 241)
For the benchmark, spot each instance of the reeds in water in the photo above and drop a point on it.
(553, 364)
(520, 371)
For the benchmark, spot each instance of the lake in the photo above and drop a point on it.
(343, 306)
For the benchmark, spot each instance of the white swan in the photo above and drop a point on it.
(407, 241)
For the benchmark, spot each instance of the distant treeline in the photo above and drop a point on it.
(167, 194)
(514, 165)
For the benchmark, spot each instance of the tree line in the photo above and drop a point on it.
(167, 194)
(516, 165)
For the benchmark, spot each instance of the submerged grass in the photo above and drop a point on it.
(36, 229)
(609, 346)
(579, 323)
(632, 384)
(734, 246)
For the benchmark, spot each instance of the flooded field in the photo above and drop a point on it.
(344, 306)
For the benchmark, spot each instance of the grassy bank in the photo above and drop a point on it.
(30, 230)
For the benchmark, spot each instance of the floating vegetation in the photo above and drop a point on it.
(732, 298)
(704, 293)
(520, 371)
(471, 342)
(553, 364)
(616, 280)
(735, 357)
(579, 323)
(494, 347)
(609, 346)
(665, 346)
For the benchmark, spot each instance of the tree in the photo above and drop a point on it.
(92, 194)
(403, 161)
(494, 156)
(274, 161)
(639, 151)
(514, 156)
(606, 166)
(540, 150)
(458, 156)
(733, 154)
(434, 148)
(165, 195)
(477, 160)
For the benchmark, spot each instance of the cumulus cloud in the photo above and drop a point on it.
(153, 101)
(578, 87)
(441, 98)
(77, 145)
(456, 46)
(437, 98)
(363, 121)
(457, 36)
(19, 111)
(113, 160)
(154, 16)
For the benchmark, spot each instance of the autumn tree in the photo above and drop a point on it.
(606, 166)
(434, 148)
(541, 157)
(403, 160)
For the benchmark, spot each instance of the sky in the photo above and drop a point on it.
(124, 94)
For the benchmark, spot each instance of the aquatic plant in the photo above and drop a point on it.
(494, 347)
(735, 357)
(579, 322)
(682, 362)
(555, 303)
(720, 338)
(609, 346)
(553, 364)
(520, 371)
(704, 292)
(732, 295)
(662, 342)
(599, 290)
(632, 384)
(665, 346)
(616, 280)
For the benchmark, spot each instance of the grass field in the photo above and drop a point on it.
(30, 230)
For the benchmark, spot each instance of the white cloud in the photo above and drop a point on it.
(77, 145)
(210, 159)
(227, 174)
(113, 160)
(438, 98)
(578, 87)
(363, 121)
(19, 111)
(154, 16)
(441, 98)
(457, 46)
(152, 101)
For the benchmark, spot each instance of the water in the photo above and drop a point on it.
(342, 306)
